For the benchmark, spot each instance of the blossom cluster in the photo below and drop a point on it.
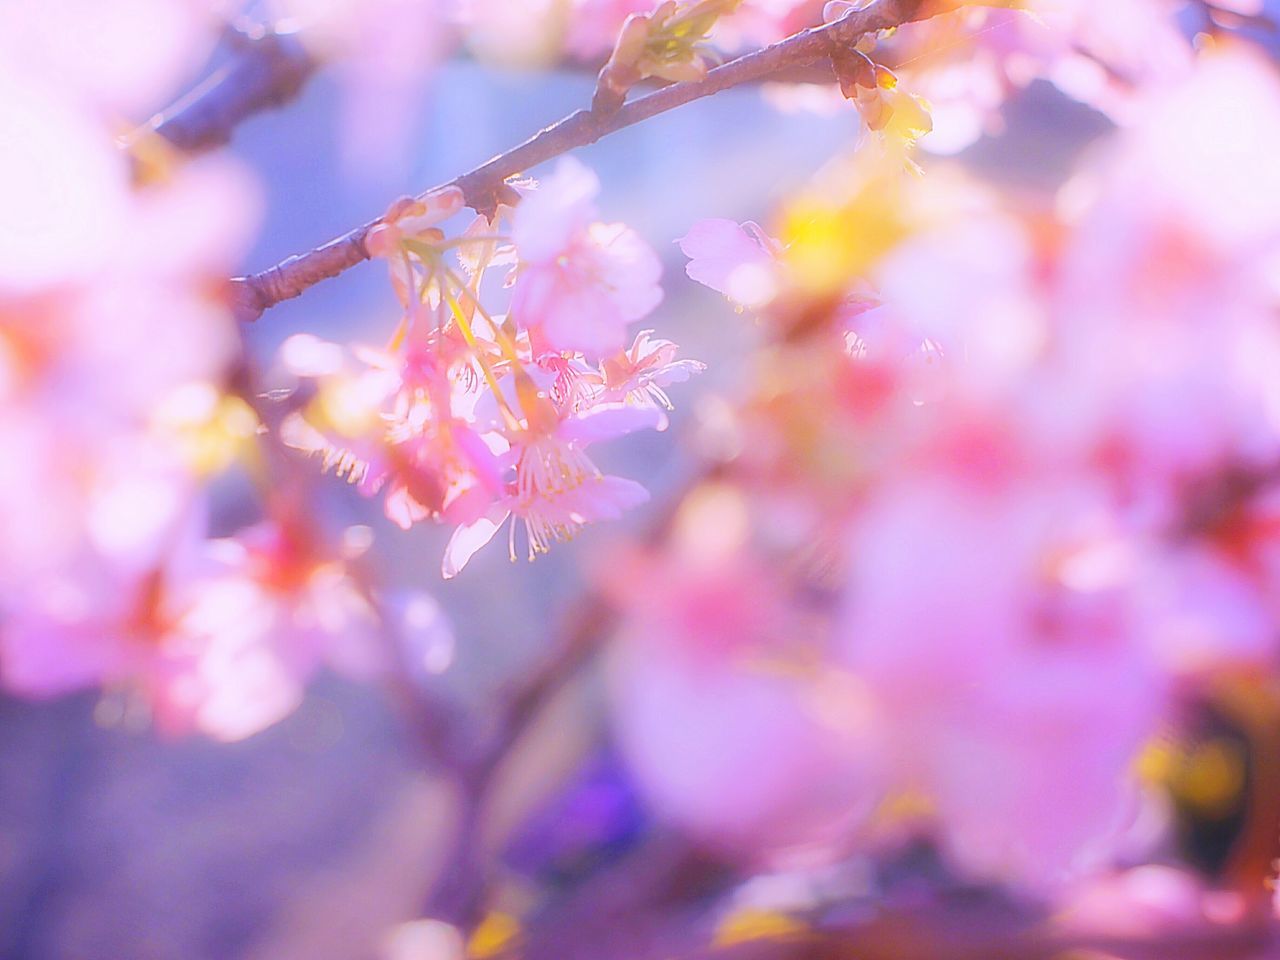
(122, 399)
(472, 416)
(1002, 497)
(129, 401)
(1002, 502)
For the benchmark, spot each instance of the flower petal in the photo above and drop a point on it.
(607, 421)
(468, 539)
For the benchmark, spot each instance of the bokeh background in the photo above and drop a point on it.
(311, 838)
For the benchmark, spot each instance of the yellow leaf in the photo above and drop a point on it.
(749, 924)
(494, 934)
(209, 429)
(830, 245)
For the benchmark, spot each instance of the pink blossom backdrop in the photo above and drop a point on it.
(836, 517)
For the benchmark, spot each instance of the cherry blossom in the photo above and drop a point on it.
(383, 52)
(390, 426)
(968, 622)
(472, 415)
(637, 376)
(580, 282)
(966, 551)
(594, 24)
(734, 728)
(222, 638)
(740, 261)
(557, 488)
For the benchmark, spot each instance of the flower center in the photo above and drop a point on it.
(549, 468)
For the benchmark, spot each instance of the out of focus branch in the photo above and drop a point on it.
(485, 186)
(651, 921)
(524, 699)
(987, 931)
(291, 501)
(461, 886)
(459, 891)
(268, 69)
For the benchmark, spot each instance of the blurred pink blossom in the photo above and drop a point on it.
(998, 635)
(222, 638)
(740, 261)
(594, 25)
(580, 282)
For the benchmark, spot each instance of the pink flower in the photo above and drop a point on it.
(99, 342)
(515, 34)
(576, 385)
(557, 488)
(382, 53)
(1154, 900)
(761, 22)
(735, 729)
(1162, 298)
(771, 766)
(1205, 613)
(223, 638)
(259, 625)
(580, 282)
(61, 184)
(638, 375)
(999, 636)
(739, 261)
(119, 59)
(444, 472)
(594, 25)
(435, 464)
(73, 632)
(721, 600)
(411, 219)
(393, 426)
(1108, 55)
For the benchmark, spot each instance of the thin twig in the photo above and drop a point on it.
(524, 699)
(483, 186)
(268, 67)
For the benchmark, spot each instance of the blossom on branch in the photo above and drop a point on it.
(473, 414)
(580, 282)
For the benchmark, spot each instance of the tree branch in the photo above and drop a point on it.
(459, 891)
(458, 894)
(642, 915)
(268, 70)
(251, 295)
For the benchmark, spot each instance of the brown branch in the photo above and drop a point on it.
(459, 892)
(268, 69)
(524, 699)
(460, 888)
(253, 294)
(969, 932)
(630, 915)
